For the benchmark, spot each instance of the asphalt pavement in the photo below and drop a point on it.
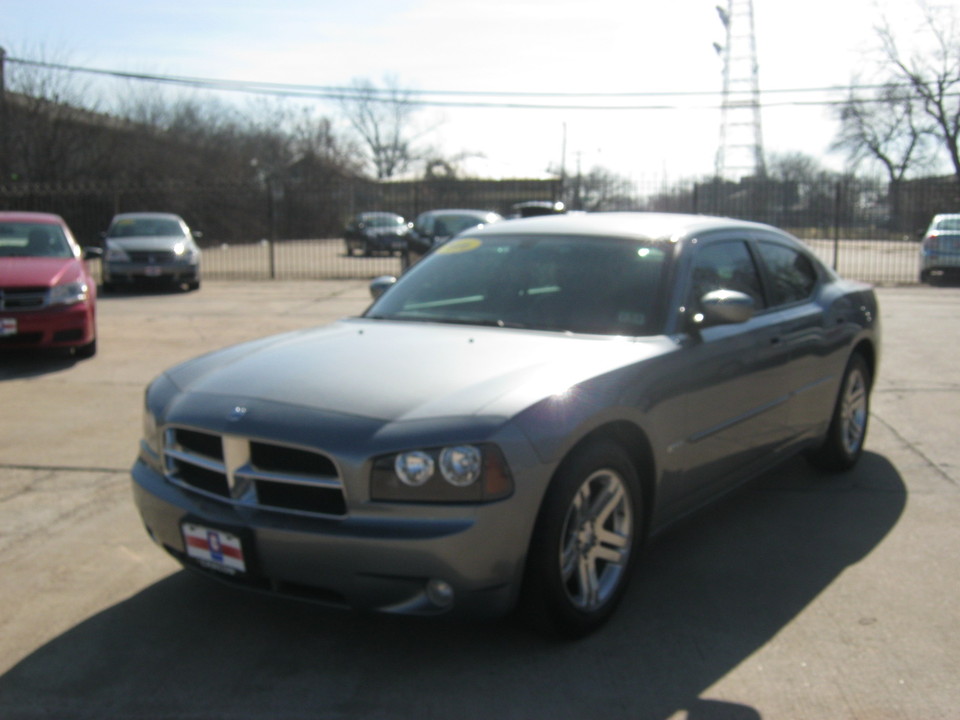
(802, 596)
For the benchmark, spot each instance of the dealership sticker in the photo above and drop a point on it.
(459, 246)
(214, 549)
(8, 326)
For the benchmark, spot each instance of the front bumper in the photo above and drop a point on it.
(385, 243)
(120, 272)
(387, 560)
(53, 327)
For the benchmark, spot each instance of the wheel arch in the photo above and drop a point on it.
(635, 443)
(868, 352)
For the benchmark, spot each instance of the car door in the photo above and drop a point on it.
(736, 380)
(792, 283)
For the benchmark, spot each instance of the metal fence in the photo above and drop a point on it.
(292, 229)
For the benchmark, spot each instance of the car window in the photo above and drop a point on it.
(145, 227)
(609, 287)
(424, 224)
(726, 265)
(32, 240)
(792, 276)
(454, 224)
(951, 224)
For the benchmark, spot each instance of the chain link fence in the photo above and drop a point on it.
(291, 228)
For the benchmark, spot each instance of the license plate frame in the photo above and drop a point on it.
(216, 549)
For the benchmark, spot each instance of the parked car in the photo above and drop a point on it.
(557, 390)
(47, 295)
(940, 248)
(373, 232)
(150, 247)
(533, 208)
(436, 226)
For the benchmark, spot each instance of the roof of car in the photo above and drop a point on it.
(158, 215)
(647, 225)
(460, 211)
(32, 217)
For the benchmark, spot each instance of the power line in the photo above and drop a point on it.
(344, 93)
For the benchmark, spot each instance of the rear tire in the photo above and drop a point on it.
(848, 426)
(585, 543)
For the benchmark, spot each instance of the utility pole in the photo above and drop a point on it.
(740, 153)
(4, 127)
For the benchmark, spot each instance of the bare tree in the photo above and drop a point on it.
(933, 76)
(48, 119)
(602, 190)
(889, 128)
(383, 120)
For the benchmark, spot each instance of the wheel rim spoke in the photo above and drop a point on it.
(854, 413)
(596, 540)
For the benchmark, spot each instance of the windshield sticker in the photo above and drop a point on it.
(459, 246)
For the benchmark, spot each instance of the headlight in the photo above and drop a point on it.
(413, 469)
(69, 294)
(460, 466)
(185, 254)
(158, 394)
(458, 473)
(151, 431)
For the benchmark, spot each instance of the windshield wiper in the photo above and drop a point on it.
(452, 321)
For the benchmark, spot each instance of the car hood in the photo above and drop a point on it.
(38, 271)
(394, 371)
(149, 243)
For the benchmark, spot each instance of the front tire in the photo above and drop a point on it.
(87, 351)
(585, 543)
(848, 425)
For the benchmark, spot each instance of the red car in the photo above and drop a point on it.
(47, 295)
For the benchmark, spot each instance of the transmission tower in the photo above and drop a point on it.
(740, 153)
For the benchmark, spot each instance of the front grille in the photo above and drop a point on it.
(73, 335)
(253, 473)
(34, 338)
(25, 298)
(152, 257)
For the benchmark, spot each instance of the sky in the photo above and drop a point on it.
(663, 50)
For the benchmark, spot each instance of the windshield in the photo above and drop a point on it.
(950, 224)
(381, 221)
(449, 225)
(25, 239)
(586, 285)
(145, 227)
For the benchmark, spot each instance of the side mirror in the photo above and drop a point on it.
(90, 253)
(724, 307)
(379, 285)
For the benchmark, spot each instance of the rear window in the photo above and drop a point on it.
(950, 224)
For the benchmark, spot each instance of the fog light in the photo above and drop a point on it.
(440, 593)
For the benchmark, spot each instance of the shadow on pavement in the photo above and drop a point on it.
(711, 593)
(19, 364)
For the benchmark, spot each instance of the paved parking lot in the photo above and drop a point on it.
(803, 596)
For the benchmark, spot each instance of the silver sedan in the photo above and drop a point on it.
(508, 423)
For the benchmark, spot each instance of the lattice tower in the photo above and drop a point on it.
(740, 153)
